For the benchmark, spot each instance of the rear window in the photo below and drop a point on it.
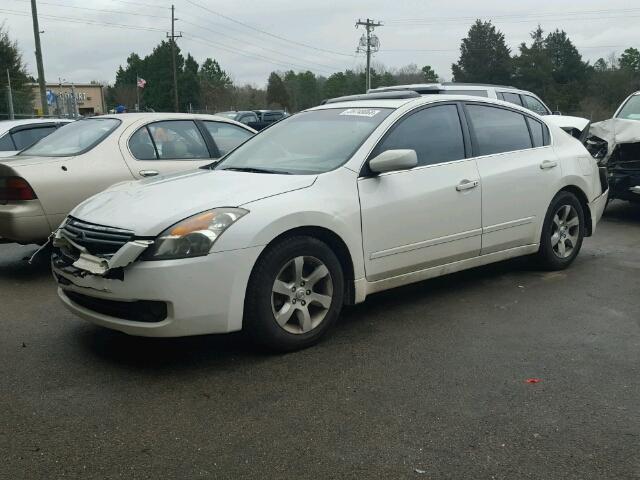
(74, 138)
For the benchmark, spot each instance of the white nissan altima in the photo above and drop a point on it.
(323, 209)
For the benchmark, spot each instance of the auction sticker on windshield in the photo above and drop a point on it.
(361, 112)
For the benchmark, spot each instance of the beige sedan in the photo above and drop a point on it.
(40, 186)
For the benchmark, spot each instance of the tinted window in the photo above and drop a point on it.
(534, 105)
(26, 138)
(249, 118)
(475, 93)
(537, 132)
(6, 144)
(272, 117)
(178, 140)
(74, 138)
(434, 133)
(498, 130)
(511, 98)
(141, 145)
(226, 136)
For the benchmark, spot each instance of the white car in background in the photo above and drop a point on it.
(323, 209)
(16, 135)
(40, 186)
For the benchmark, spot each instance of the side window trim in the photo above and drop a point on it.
(364, 170)
(474, 139)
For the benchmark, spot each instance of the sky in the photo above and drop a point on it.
(87, 40)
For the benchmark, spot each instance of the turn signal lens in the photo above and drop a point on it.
(15, 188)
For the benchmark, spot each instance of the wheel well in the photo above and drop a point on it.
(336, 244)
(582, 198)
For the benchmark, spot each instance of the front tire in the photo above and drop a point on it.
(294, 295)
(562, 233)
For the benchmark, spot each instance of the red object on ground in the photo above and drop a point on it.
(533, 380)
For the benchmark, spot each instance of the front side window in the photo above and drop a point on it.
(6, 144)
(26, 137)
(434, 133)
(511, 98)
(227, 136)
(631, 109)
(498, 130)
(534, 105)
(310, 142)
(74, 138)
(178, 140)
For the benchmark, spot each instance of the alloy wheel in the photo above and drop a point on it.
(302, 294)
(565, 231)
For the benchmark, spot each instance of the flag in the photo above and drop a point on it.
(141, 82)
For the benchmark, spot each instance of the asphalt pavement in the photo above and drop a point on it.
(428, 381)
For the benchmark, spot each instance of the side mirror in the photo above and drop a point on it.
(393, 160)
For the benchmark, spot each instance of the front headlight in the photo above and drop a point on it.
(194, 236)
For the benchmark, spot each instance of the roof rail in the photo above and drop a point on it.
(391, 95)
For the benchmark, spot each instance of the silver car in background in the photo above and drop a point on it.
(40, 186)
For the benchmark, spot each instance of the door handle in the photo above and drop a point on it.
(467, 185)
(548, 164)
(148, 173)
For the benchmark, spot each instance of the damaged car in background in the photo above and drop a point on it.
(615, 144)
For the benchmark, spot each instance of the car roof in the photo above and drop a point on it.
(131, 118)
(9, 124)
(396, 103)
(436, 86)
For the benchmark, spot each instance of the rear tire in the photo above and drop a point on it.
(295, 294)
(562, 233)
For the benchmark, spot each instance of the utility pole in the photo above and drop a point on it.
(9, 96)
(368, 43)
(41, 82)
(173, 37)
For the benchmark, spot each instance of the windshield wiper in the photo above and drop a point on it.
(256, 170)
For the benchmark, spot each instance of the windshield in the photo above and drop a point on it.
(307, 143)
(74, 138)
(631, 109)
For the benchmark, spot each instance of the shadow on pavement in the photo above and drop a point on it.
(622, 211)
(14, 262)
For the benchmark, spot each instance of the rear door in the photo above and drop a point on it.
(429, 215)
(518, 169)
(167, 146)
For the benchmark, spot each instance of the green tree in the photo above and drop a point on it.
(276, 92)
(569, 72)
(600, 65)
(189, 85)
(484, 56)
(630, 60)
(429, 74)
(215, 86)
(11, 59)
(533, 69)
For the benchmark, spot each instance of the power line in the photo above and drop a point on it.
(556, 19)
(257, 45)
(264, 32)
(119, 12)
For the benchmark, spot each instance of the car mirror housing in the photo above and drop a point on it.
(393, 160)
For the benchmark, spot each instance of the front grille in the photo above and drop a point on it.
(97, 239)
(146, 311)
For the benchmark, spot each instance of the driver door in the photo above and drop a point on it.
(429, 215)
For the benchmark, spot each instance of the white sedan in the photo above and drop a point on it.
(16, 135)
(40, 186)
(323, 209)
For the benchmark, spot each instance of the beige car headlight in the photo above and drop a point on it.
(194, 236)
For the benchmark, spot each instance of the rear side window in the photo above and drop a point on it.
(498, 130)
(434, 133)
(6, 144)
(539, 133)
(178, 140)
(27, 137)
(511, 98)
(141, 146)
(474, 93)
(534, 105)
(227, 136)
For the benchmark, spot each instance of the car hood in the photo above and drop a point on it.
(150, 206)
